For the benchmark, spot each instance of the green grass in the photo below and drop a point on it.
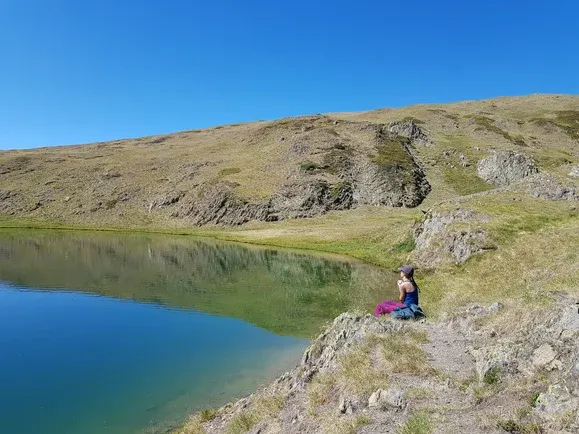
(337, 159)
(338, 188)
(492, 377)
(308, 165)
(110, 204)
(412, 119)
(360, 375)
(207, 414)
(391, 153)
(357, 374)
(418, 423)
(241, 422)
(464, 180)
(569, 121)
(228, 171)
(405, 246)
(349, 426)
(553, 158)
(402, 353)
(319, 391)
(514, 427)
(484, 123)
(264, 407)
(566, 120)
(533, 399)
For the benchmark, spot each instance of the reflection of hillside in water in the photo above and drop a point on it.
(282, 291)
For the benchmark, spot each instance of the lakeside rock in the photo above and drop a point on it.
(510, 370)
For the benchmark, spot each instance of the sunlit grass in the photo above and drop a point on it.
(418, 423)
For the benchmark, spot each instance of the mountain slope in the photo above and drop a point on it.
(290, 168)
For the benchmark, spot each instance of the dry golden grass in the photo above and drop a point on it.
(524, 270)
(367, 367)
(344, 425)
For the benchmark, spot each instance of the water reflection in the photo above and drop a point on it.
(285, 292)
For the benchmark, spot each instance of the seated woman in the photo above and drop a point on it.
(408, 292)
(407, 286)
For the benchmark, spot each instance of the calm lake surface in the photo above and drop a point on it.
(110, 333)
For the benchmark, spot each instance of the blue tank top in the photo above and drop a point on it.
(411, 297)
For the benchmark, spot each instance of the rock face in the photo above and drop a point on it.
(543, 355)
(438, 242)
(9, 201)
(309, 198)
(505, 167)
(557, 402)
(383, 173)
(545, 186)
(220, 206)
(346, 330)
(408, 128)
(574, 172)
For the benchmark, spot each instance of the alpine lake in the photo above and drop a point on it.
(129, 333)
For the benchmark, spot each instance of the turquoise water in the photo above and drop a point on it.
(127, 334)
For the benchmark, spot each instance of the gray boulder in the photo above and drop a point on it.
(438, 241)
(556, 403)
(505, 167)
(547, 187)
(384, 399)
(408, 128)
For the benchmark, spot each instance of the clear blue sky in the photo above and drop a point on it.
(76, 71)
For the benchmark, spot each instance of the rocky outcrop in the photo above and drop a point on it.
(9, 200)
(558, 403)
(505, 167)
(574, 172)
(534, 369)
(165, 200)
(347, 330)
(439, 241)
(383, 173)
(308, 199)
(380, 185)
(409, 128)
(322, 356)
(219, 205)
(545, 186)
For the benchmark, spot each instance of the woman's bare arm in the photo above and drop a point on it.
(402, 292)
(404, 287)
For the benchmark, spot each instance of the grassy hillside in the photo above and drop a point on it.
(139, 182)
(112, 185)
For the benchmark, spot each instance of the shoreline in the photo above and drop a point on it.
(217, 234)
(443, 376)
